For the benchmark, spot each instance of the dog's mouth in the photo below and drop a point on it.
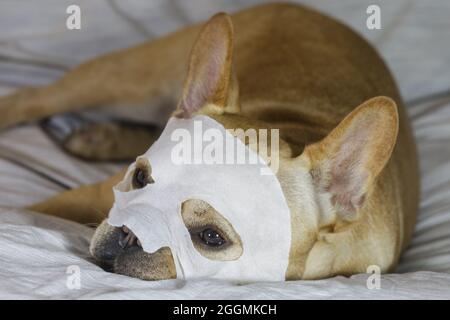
(120, 241)
(129, 239)
(119, 250)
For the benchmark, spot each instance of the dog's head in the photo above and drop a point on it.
(328, 183)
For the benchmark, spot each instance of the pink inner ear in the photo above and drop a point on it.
(206, 75)
(347, 172)
(355, 152)
(193, 99)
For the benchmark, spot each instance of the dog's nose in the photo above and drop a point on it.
(129, 239)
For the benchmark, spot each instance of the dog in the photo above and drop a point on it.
(348, 165)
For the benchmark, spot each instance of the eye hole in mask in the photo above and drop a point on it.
(141, 175)
(212, 235)
(140, 178)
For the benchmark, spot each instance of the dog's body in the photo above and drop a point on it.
(300, 72)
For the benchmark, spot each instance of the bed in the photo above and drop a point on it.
(39, 254)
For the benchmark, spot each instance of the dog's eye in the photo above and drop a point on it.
(140, 178)
(211, 237)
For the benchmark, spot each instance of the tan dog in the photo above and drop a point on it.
(326, 89)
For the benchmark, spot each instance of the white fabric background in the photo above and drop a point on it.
(35, 48)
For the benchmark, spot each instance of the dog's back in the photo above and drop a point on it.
(303, 73)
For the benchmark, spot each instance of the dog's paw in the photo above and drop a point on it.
(100, 141)
(61, 126)
(80, 136)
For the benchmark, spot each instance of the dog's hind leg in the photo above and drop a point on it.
(142, 75)
(28, 104)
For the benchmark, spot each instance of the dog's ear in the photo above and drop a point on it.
(347, 161)
(210, 80)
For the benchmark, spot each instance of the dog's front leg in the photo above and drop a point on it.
(88, 204)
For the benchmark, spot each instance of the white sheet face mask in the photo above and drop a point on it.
(252, 203)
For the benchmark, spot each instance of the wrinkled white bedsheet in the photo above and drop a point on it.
(36, 250)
